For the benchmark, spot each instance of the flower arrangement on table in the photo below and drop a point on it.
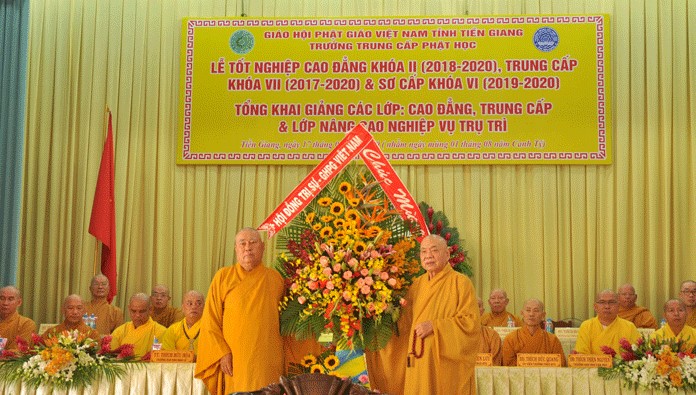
(350, 259)
(655, 364)
(64, 361)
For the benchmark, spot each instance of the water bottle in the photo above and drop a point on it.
(85, 318)
(156, 345)
(510, 322)
(93, 321)
(549, 325)
(663, 323)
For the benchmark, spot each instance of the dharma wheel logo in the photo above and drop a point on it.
(546, 39)
(242, 42)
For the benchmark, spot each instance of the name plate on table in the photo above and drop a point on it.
(172, 356)
(484, 359)
(589, 361)
(504, 330)
(566, 333)
(539, 360)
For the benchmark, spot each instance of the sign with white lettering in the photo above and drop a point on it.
(476, 90)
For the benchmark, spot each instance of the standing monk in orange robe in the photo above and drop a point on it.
(629, 311)
(446, 327)
(687, 294)
(531, 338)
(240, 347)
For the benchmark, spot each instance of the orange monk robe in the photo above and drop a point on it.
(521, 341)
(491, 344)
(387, 367)
(16, 325)
(64, 326)
(639, 316)
(241, 317)
(499, 319)
(108, 317)
(691, 319)
(180, 336)
(141, 337)
(448, 300)
(592, 335)
(687, 335)
(167, 316)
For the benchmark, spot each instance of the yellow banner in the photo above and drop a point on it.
(475, 90)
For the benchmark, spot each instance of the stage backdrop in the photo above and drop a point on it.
(437, 90)
(556, 232)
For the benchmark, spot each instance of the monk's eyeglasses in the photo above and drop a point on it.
(608, 302)
(689, 291)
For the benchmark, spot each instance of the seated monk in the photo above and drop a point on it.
(141, 331)
(73, 310)
(629, 311)
(490, 340)
(607, 328)
(498, 316)
(687, 294)
(161, 311)
(12, 324)
(108, 316)
(676, 328)
(531, 338)
(183, 335)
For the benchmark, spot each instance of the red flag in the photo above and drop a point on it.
(102, 224)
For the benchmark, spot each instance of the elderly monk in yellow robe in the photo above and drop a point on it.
(531, 338)
(687, 294)
(490, 340)
(629, 311)
(676, 328)
(108, 317)
(160, 309)
(12, 324)
(73, 310)
(607, 328)
(498, 316)
(240, 347)
(141, 331)
(446, 327)
(183, 335)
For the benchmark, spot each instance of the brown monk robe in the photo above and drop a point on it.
(498, 316)
(531, 338)
(687, 294)
(73, 310)
(161, 311)
(108, 317)
(490, 341)
(629, 311)
(13, 325)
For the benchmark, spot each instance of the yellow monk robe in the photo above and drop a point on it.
(447, 366)
(687, 335)
(592, 336)
(639, 316)
(167, 316)
(16, 325)
(81, 327)
(141, 337)
(179, 336)
(248, 327)
(521, 341)
(387, 367)
(109, 317)
(691, 319)
(499, 319)
(491, 344)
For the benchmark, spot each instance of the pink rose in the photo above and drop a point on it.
(347, 275)
(403, 302)
(324, 261)
(329, 285)
(384, 276)
(337, 268)
(394, 269)
(294, 287)
(327, 271)
(347, 296)
(374, 254)
(312, 285)
(364, 272)
(360, 282)
(352, 262)
(363, 379)
(365, 289)
(392, 282)
(301, 300)
(369, 281)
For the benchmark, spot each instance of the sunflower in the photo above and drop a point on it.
(340, 234)
(339, 222)
(352, 215)
(344, 187)
(308, 360)
(359, 247)
(327, 218)
(325, 201)
(337, 208)
(316, 226)
(331, 362)
(310, 217)
(353, 202)
(326, 232)
(373, 231)
(316, 368)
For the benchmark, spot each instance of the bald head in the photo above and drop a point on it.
(675, 314)
(434, 254)
(627, 296)
(139, 309)
(192, 306)
(99, 287)
(160, 297)
(533, 313)
(606, 306)
(498, 300)
(73, 309)
(687, 293)
(10, 300)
